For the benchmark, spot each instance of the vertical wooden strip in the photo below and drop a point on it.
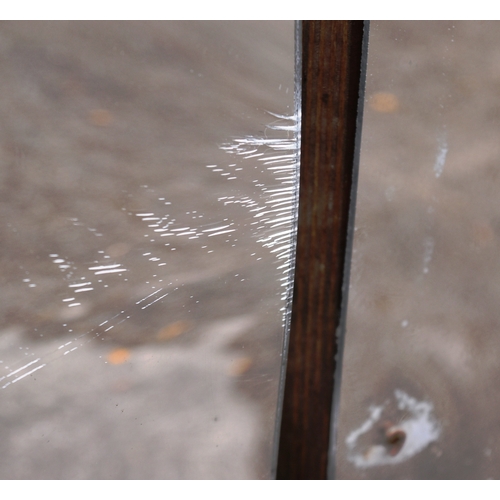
(331, 69)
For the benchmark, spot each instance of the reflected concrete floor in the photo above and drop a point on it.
(124, 353)
(423, 315)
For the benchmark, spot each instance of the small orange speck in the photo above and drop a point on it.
(240, 366)
(173, 330)
(483, 234)
(100, 117)
(118, 356)
(384, 102)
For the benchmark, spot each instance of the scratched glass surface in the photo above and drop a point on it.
(420, 395)
(147, 185)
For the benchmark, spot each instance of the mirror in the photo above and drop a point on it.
(419, 386)
(147, 195)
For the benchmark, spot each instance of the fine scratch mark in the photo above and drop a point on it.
(428, 251)
(441, 156)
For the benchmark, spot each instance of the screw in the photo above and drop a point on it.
(395, 439)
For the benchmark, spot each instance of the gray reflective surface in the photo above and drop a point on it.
(145, 216)
(420, 395)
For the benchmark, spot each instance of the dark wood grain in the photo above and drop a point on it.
(331, 69)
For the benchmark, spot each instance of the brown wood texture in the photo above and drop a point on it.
(331, 69)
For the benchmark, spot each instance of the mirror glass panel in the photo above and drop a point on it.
(420, 394)
(147, 187)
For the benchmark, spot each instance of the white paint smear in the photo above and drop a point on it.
(421, 429)
(428, 251)
(440, 157)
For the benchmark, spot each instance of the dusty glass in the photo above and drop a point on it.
(420, 395)
(147, 185)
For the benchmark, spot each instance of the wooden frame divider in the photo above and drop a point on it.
(333, 58)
